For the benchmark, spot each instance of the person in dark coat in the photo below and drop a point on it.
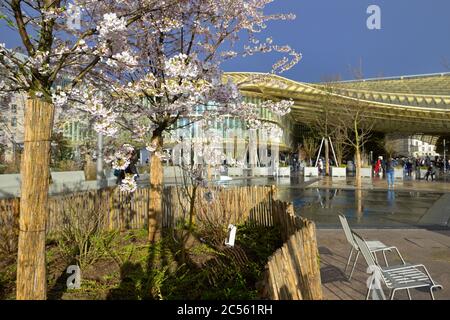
(132, 169)
(409, 168)
(431, 172)
(120, 174)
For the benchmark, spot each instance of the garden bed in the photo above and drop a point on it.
(190, 262)
(126, 266)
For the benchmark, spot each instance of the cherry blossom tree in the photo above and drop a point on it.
(169, 69)
(63, 43)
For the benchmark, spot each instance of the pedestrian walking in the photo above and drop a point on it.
(390, 169)
(409, 168)
(378, 167)
(320, 166)
(431, 172)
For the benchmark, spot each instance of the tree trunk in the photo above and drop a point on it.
(156, 192)
(327, 157)
(193, 199)
(359, 204)
(338, 150)
(358, 167)
(31, 264)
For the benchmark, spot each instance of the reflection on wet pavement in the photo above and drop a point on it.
(364, 208)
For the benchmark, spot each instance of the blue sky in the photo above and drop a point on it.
(332, 36)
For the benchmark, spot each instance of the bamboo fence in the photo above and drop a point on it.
(293, 271)
(120, 211)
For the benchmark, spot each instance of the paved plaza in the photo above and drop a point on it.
(414, 217)
(411, 204)
(431, 248)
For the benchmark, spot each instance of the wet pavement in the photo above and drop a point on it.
(370, 208)
(414, 217)
(381, 184)
(410, 204)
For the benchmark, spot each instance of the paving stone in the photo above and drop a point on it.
(334, 250)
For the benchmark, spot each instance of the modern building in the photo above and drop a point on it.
(11, 126)
(254, 147)
(12, 129)
(422, 146)
(413, 146)
(415, 107)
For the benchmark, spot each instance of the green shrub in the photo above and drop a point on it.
(82, 239)
(223, 277)
(10, 168)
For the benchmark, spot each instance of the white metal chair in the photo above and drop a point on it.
(374, 247)
(401, 277)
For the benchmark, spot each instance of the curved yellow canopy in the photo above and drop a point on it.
(410, 104)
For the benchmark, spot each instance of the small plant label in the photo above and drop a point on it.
(231, 235)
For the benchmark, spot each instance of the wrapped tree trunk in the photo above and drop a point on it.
(35, 171)
(156, 191)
